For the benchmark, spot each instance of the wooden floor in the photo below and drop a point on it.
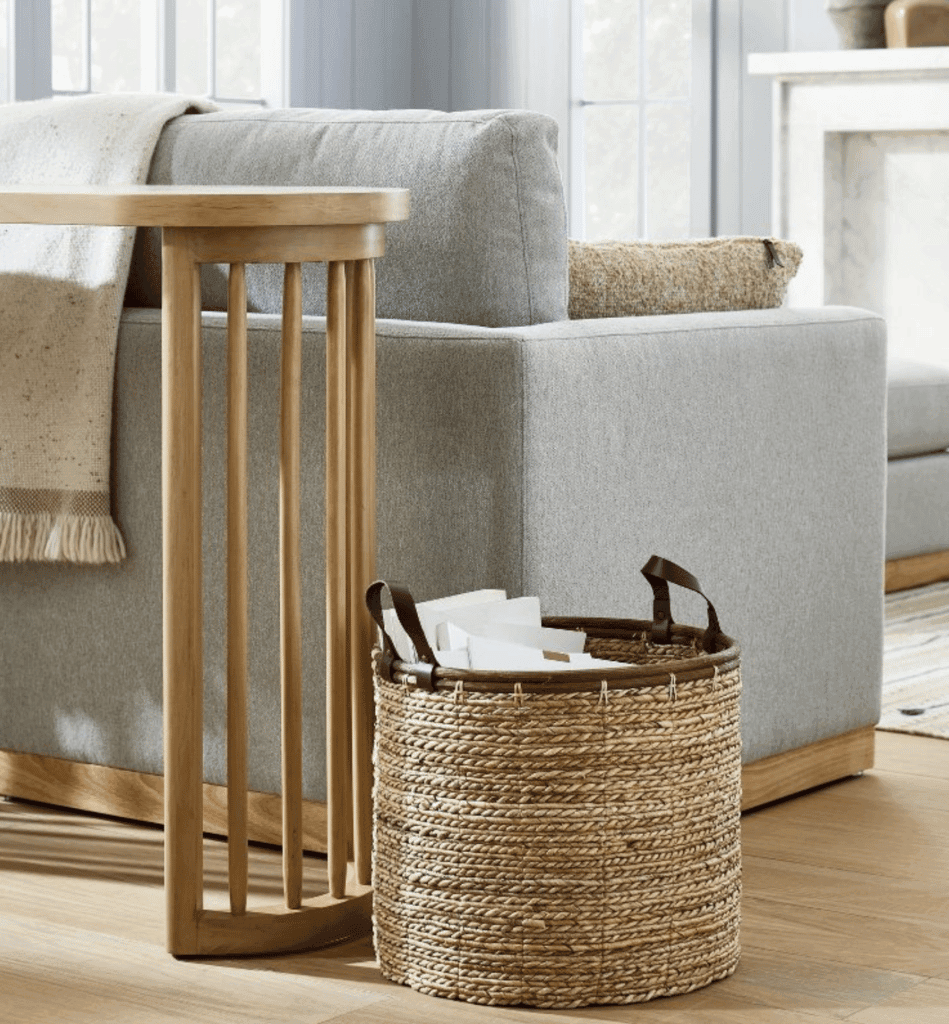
(846, 917)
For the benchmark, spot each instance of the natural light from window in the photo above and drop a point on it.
(631, 128)
(236, 49)
(103, 46)
(634, 94)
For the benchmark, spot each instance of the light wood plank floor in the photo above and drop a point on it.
(846, 917)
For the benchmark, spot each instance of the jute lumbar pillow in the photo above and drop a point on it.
(698, 275)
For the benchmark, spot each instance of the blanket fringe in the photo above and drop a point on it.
(41, 537)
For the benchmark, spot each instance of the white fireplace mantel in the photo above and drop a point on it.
(860, 151)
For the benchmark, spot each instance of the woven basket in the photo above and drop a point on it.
(560, 840)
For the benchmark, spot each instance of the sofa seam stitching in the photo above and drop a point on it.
(720, 327)
(515, 329)
(308, 123)
(520, 217)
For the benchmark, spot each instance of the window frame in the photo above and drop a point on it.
(701, 101)
(544, 27)
(30, 51)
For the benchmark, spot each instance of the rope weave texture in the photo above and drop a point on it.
(561, 849)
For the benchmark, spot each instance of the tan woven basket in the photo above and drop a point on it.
(560, 840)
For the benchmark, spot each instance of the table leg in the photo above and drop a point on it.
(182, 663)
(350, 566)
(337, 639)
(237, 588)
(291, 648)
(361, 548)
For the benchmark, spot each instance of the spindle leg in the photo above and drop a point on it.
(350, 565)
(182, 623)
(361, 551)
(290, 623)
(237, 588)
(337, 642)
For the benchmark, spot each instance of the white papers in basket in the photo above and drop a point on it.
(483, 630)
(562, 641)
(474, 620)
(498, 656)
(430, 614)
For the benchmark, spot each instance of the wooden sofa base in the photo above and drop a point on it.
(139, 796)
(794, 771)
(916, 571)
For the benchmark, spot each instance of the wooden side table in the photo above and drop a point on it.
(344, 228)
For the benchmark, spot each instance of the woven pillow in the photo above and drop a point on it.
(699, 275)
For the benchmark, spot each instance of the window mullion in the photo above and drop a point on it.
(702, 96)
(642, 162)
(576, 201)
(276, 76)
(158, 45)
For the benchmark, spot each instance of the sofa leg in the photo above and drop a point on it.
(916, 571)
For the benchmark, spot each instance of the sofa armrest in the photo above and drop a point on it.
(749, 447)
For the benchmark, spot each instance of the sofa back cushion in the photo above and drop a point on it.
(485, 243)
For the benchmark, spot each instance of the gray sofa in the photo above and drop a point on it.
(917, 494)
(516, 449)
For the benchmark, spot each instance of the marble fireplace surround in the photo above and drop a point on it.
(860, 150)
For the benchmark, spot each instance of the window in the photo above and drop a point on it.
(629, 81)
(632, 119)
(216, 48)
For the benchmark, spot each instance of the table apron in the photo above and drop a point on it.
(281, 243)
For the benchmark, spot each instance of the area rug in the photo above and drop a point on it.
(916, 662)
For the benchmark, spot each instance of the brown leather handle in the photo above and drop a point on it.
(660, 572)
(404, 605)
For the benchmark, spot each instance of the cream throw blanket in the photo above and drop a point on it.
(61, 293)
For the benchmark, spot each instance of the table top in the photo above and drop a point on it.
(199, 205)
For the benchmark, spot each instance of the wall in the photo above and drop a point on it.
(435, 54)
(809, 28)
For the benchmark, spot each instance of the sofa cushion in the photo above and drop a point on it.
(610, 279)
(917, 415)
(486, 240)
(916, 520)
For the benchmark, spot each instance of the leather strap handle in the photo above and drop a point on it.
(660, 573)
(404, 605)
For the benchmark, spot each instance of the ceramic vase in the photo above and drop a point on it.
(859, 23)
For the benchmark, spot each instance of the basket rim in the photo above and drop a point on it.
(623, 677)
